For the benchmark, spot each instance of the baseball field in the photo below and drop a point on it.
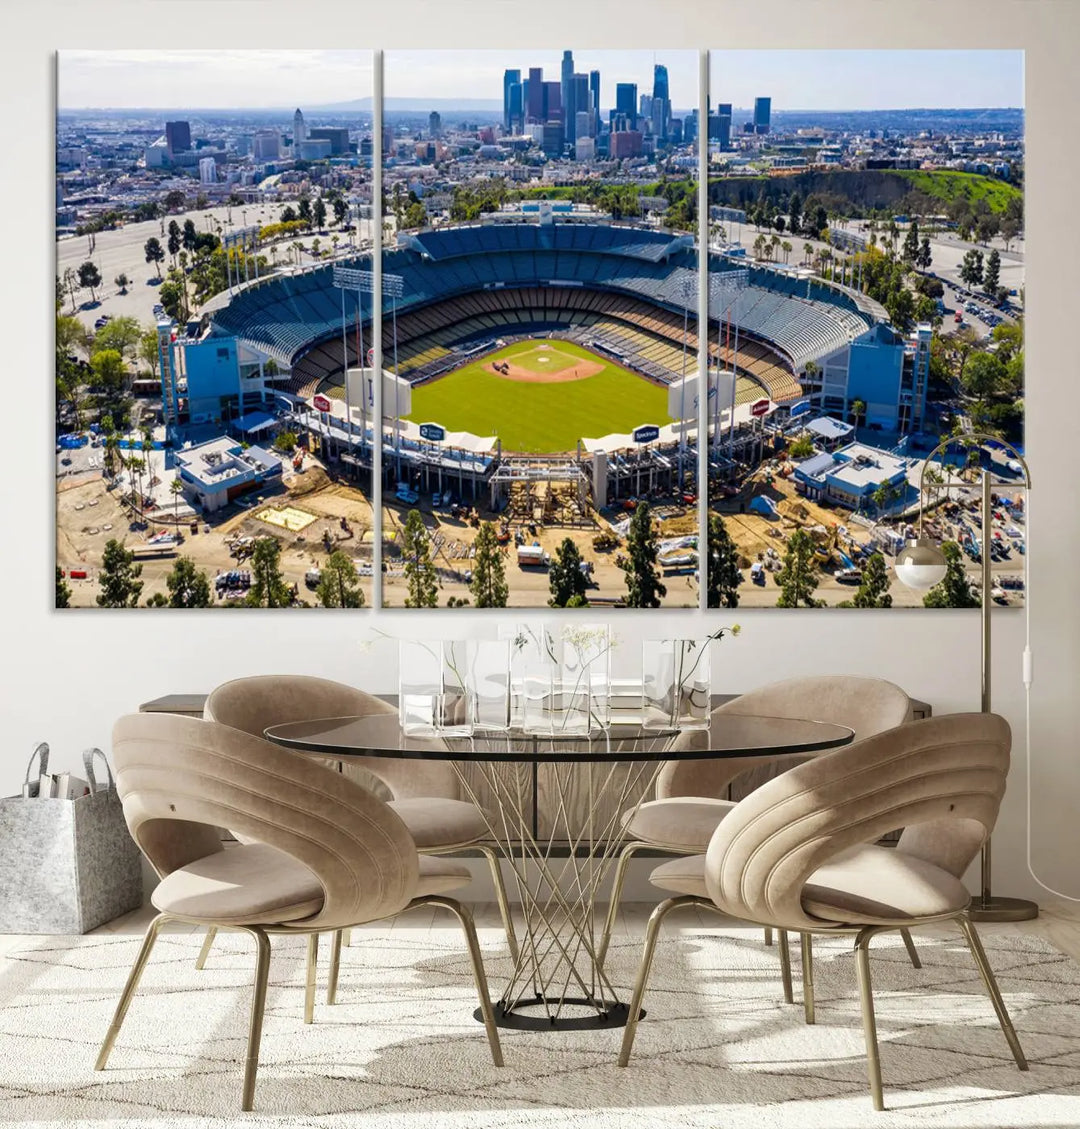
(541, 396)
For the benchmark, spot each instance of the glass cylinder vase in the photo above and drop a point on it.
(676, 683)
(489, 684)
(433, 690)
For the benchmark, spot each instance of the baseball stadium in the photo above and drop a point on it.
(551, 340)
(541, 366)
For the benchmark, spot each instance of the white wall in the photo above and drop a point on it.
(64, 677)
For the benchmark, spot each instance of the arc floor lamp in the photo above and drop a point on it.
(920, 565)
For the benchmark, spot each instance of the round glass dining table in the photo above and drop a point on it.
(557, 806)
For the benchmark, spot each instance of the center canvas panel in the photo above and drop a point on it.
(539, 328)
(205, 454)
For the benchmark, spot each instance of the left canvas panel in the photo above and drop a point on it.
(213, 240)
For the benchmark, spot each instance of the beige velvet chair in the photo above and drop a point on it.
(801, 852)
(322, 853)
(425, 794)
(692, 795)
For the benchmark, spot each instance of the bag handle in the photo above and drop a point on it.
(41, 755)
(88, 765)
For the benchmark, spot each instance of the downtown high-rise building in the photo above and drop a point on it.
(534, 95)
(723, 125)
(511, 94)
(299, 133)
(435, 124)
(626, 102)
(661, 102)
(580, 101)
(762, 113)
(178, 137)
(552, 103)
(566, 92)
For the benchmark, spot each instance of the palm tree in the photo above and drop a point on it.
(176, 488)
(787, 249)
(759, 247)
(807, 253)
(774, 242)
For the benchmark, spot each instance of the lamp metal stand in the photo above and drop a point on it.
(988, 907)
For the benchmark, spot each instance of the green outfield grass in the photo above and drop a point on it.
(540, 418)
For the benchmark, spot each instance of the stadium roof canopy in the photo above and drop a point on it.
(287, 314)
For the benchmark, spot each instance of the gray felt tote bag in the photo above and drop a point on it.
(66, 865)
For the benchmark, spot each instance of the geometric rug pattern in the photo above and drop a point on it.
(400, 1050)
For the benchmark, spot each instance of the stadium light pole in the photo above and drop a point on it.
(363, 282)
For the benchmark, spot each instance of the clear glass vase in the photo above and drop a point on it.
(566, 691)
(488, 680)
(676, 683)
(530, 646)
(433, 689)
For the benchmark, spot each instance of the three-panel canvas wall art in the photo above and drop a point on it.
(495, 348)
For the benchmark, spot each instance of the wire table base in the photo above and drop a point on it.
(558, 980)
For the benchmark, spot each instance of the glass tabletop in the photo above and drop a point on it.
(730, 735)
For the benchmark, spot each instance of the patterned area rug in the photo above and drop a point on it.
(400, 1050)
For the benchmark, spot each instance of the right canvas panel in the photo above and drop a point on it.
(866, 309)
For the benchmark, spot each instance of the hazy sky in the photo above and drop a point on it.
(868, 80)
(796, 80)
(213, 79)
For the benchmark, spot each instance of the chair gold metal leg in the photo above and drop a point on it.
(768, 936)
(346, 938)
(625, 855)
(335, 966)
(912, 952)
(134, 976)
(651, 934)
(258, 1008)
(806, 946)
(204, 952)
(464, 915)
(309, 990)
(866, 1000)
(494, 861)
(971, 935)
(785, 966)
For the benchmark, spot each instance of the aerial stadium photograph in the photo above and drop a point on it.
(866, 311)
(540, 275)
(202, 198)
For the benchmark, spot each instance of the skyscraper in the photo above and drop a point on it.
(579, 85)
(594, 92)
(534, 96)
(660, 81)
(626, 102)
(762, 113)
(510, 79)
(517, 108)
(299, 133)
(434, 124)
(567, 95)
(178, 137)
(723, 132)
(661, 108)
(552, 103)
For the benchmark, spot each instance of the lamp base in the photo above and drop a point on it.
(1002, 909)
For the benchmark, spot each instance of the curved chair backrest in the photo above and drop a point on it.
(867, 705)
(254, 704)
(179, 778)
(944, 774)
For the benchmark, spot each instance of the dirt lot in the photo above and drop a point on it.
(88, 515)
(529, 587)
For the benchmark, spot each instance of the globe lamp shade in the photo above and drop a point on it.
(921, 564)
